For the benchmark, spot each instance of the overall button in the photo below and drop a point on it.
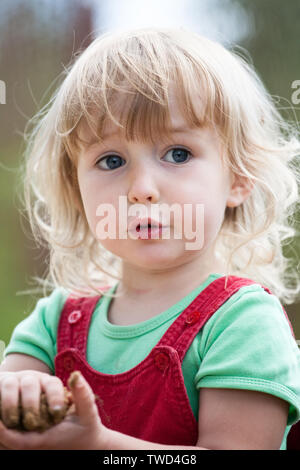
(74, 316)
(192, 317)
(162, 361)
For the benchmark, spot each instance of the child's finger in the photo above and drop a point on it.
(54, 389)
(30, 400)
(30, 392)
(6, 437)
(16, 440)
(10, 400)
(84, 400)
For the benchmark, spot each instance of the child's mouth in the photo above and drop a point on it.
(149, 231)
(146, 228)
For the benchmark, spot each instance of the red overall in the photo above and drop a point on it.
(149, 401)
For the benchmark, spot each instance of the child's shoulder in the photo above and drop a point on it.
(252, 308)
(53, 304)
(48, 308)
(54, 301)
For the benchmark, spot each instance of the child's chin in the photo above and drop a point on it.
(156, 257)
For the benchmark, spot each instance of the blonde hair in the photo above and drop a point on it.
(140, 66)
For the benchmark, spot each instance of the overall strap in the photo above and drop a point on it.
(74, 322)
(77, 313)
(183, 331)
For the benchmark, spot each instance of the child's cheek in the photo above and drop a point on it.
(203, 218)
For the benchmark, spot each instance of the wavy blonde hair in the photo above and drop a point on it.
(140, 66)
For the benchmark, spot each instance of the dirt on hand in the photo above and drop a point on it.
(29, 420)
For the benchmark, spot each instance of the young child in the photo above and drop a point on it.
(185, 348)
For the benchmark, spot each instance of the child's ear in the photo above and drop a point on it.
(240, 190)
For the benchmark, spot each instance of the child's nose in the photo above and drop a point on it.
(143, 189)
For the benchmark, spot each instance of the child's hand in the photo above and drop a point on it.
(31, 400)
(82, 430)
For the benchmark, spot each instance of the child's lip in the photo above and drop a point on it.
(135, 223)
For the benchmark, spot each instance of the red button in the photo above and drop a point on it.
(192, 317)
(74, 316)
(162, 361)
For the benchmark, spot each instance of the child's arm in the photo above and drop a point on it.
(228, 419)
(15, 362)
(241, 419)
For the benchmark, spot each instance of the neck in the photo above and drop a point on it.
(137, 281)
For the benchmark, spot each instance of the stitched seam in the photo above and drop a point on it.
(180, 344)
(274, 386)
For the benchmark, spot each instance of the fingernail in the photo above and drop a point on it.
(75, 379)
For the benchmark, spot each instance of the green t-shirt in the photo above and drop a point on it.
(246, 344)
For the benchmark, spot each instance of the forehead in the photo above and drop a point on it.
(144, 122)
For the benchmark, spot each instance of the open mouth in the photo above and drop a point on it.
(149, 231)
(148, 226)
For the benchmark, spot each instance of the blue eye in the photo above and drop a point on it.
(112, 161)
(179, 154)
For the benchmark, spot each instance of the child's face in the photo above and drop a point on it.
(149, 174)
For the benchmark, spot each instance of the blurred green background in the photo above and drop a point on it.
(37, 39)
